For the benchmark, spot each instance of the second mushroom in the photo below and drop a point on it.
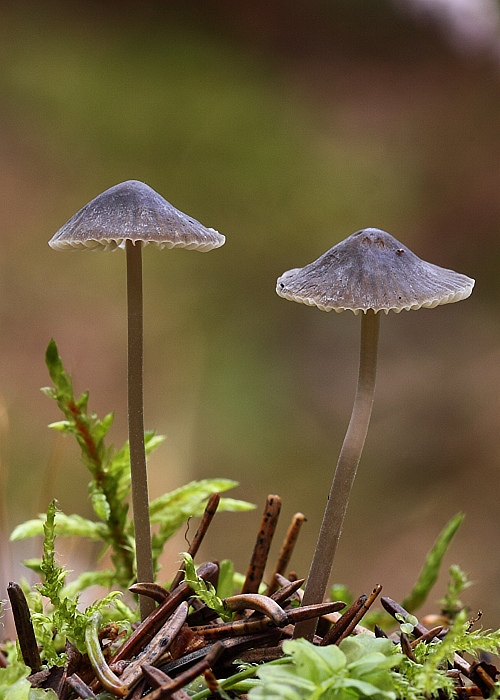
(368, 272)
(131, 215)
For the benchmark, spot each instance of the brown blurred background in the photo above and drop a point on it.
(286, 126)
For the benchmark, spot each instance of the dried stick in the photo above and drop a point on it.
(348, 621)
(167, 690)
(157, 678)
(237, 628)
(156, 647)
(151, 590)
(24, 627)
(253, 625)
(261, 549)
(287, 591)
(307, 612)
(260, 603)
(428, 636)
(344, 621)
(208, 515)
(286, 550)
(147, 629)
(81, 689)
(406, 647)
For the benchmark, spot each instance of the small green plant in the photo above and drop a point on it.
(204, 590)
(64, 621)
(427, 676)
(14, 685)
(109, 490)
(360, 667)
(451, 604)
(406, 624)
(430, 570)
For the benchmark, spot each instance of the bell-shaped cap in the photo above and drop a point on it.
(371, 270)
(133, 211)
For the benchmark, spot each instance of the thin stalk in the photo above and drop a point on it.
(347, 465)
(140, 498)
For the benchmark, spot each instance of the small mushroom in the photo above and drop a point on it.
(131, 215)
(368, 272)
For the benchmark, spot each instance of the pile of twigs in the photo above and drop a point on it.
(183, 639)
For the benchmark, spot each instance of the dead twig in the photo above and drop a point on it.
(80, 688)
(260, 553)
(156, 647)
(156, 678)
(352, 616)
(288, 590)
(207, 517)
(147, 629)
(286, 550)
(151, 590)
(428, 636)
(166, 690)
(306, 612)
(406, 647)
(24, 627)
(261, 603)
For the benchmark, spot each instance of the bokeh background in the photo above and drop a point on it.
(286, 126)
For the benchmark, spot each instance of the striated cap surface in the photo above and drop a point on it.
(371, 270)
(133, 211)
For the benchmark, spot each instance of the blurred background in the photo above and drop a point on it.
(286, 126)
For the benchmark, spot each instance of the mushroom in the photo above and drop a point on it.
(368, 272)
(131, 215)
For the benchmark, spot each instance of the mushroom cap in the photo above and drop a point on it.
(133, 211)
(371, 270)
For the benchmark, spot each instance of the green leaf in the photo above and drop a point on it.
(173, 510)
(204, 590)
(313, 662)
(65, 526)
(104, 578)
(233, 505)
(40, 694)
(187, 497)
(100, 504)
(14, 685)
(103, 426)
(360, 667)
(430, 571)
(55, 367)
(31, 528)
(225, 584)
(457, 583)
(60, 425)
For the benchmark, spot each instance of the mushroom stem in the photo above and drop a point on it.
(347, 465)
(140, 499)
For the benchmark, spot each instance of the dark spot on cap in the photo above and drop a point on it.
(372, 240)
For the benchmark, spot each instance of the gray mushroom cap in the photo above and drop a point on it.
(371, 270)
(133, 211)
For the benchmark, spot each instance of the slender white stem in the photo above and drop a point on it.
(140, 497)
(347, 465)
